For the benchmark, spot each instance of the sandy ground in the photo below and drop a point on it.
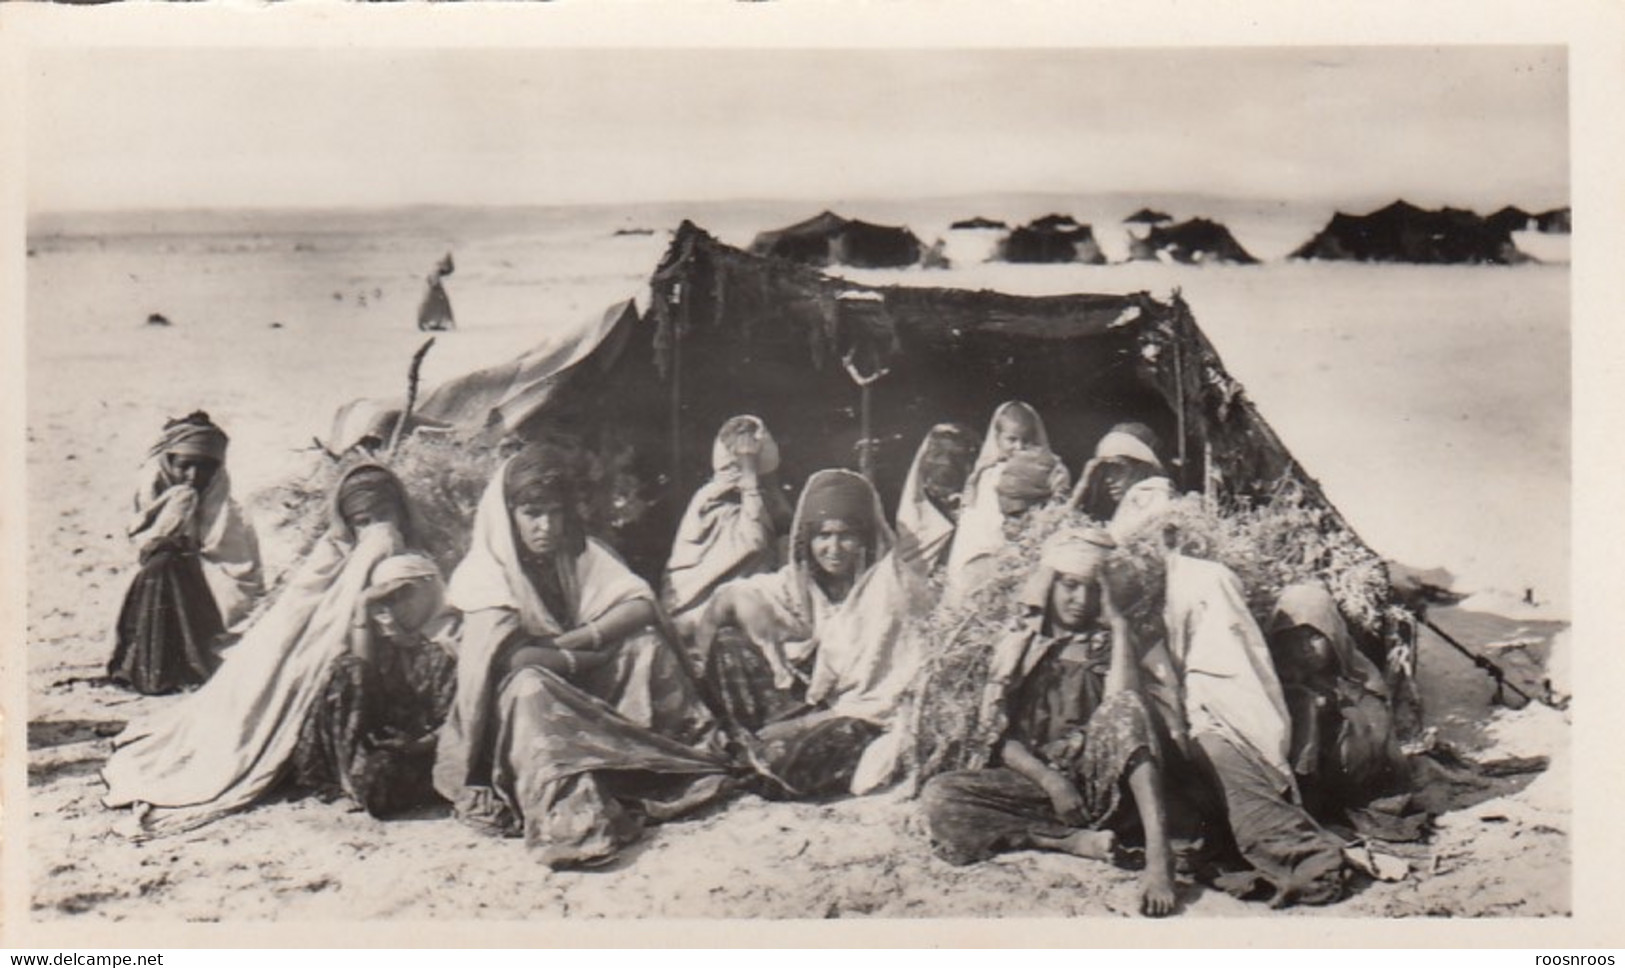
(100, 384)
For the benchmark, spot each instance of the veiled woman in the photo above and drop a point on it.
(732, 525)
(575, 721)
(929, 507)
(200, 562)
(812, 659)
(224, 746)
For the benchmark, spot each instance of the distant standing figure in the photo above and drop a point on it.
(434, 313)
(200, 563)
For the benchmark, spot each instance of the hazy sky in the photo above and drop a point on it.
(1474, 126)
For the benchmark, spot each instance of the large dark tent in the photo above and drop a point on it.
(1511, 219)
(1401, 232)
(728, 332)
(828, 239)
(1194, 242)
(1558, 221)
(1053, 238)
(978, 222)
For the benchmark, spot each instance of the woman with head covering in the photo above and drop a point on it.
(1015, 436)
(1342, 730)
(575, 720)
(1125, 483)
(1216, 686)
(929, 506)
(371, 735)
(200, 563)
(225, 745)
(731, 527)
(811, 658)
(1072, 732)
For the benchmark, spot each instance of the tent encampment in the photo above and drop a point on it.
(1193, 242)
(729, 332)
(1401, 232)
(1053, 238)
(978, 222)
(828, 239)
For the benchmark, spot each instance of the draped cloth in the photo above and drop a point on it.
(726, 533)
(212, 522)
(980, 535)
(222, 747)
(1238, 732)
(924, 532)
(576, 764)
(858, 660)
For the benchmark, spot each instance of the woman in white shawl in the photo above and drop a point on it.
(224, 746)
(929, 507)
(812, 659)
(1016, 427)
(1125, 485)
(575, 720)
(200, 562)
(732, 524)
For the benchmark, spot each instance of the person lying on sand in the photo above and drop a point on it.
(1077, 734)
(370, 737)
(575, 720)
(200, 562)
(1125, 483)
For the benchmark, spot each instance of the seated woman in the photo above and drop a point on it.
(732, 524)
(1125, 483)
(1343, 745)
(811, 659)
(1015, 428)
(1076, 735)
(200, 563)
(224, 746)
(1024, 482)
(574, 721)
(1223, 705)
(371, 735)
(929, 506)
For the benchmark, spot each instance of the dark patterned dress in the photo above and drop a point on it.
(1059, 712)
(370, 736)
(168, 623)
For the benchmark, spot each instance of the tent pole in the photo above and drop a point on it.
(679, 327)
(1179, 394)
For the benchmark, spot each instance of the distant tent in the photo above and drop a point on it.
(978, 222)
(1194, 242)
(1148, 216)
(1053, 238)
(1556, 222)
(828, 239)
(1401, 232)
(1511, 219)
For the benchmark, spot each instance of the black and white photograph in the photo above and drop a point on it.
(763, 482)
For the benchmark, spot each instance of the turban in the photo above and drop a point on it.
(401, 569)
(193, 435)
(1027, 476)
(370, 487)
(838, 497)
(722, 450)
(1073, 551)
(1132, 440)
(540, 475)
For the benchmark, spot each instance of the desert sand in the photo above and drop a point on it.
(1428, 400)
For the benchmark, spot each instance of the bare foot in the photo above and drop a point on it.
(1157, 895)
(1091, 844)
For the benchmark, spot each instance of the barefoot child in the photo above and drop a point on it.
(1077, 736)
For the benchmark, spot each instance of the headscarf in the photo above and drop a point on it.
(838, 496)
(369, 486)
(990, 453)
(1147, 489)
(543, 476)
(923, 530)
(1027, 476)
(1073, 551)
(493, 576)
(1310, 604)
(193, 435)
(405, 569)
(1133, 440)
(724, 464)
